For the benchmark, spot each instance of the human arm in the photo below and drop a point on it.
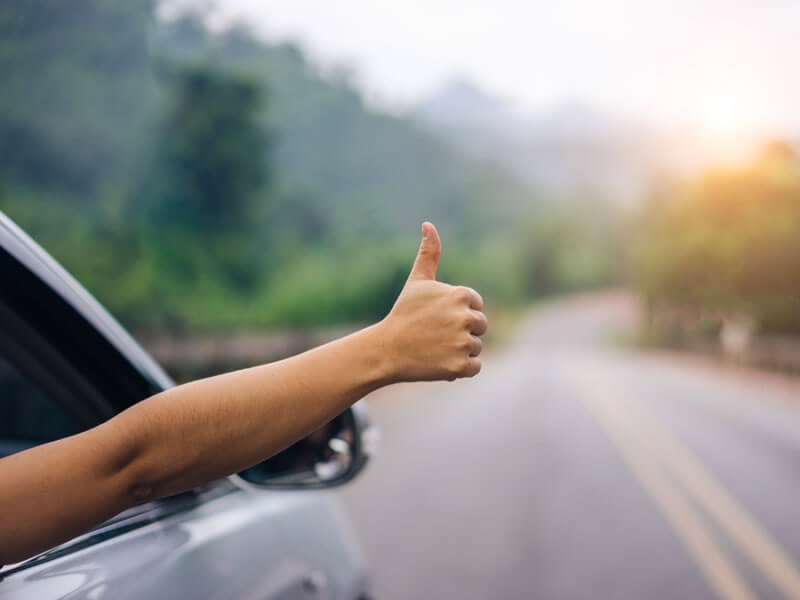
(207, 429)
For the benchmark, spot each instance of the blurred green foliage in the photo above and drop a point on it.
(727, 244)
(212, 180)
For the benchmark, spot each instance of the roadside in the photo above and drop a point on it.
(613, 318)
(189, 356)
(199, 355)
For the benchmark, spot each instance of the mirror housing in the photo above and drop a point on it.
(330, 456)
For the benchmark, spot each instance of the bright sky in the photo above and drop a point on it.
(727, 64)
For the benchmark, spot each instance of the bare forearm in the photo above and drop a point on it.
(210, 428)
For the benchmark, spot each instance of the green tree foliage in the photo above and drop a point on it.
(76, 88)
(210, 153)
(205, 189)
(571, 247)
(728, 241)
(204, 180)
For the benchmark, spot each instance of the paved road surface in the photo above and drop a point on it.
(568, 469)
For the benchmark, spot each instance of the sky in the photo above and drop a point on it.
(725, 65)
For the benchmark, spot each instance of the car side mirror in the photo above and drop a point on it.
(330, 456)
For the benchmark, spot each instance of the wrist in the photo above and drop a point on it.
(381, 360)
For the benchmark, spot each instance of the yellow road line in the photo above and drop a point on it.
(688, 526)
(740, 526)
(756, 543)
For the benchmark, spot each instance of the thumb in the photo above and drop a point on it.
(428, 255)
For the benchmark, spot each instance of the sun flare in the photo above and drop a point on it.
(724, 118)
(727, 111)
(733, 119)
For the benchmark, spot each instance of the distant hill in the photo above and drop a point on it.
(353, 170)
(81, 102)
(570, 149)
(461, 106)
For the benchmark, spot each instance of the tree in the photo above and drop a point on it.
(76, 91)
(201, 198)
(728, 241)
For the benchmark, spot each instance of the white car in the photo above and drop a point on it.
(66, 365)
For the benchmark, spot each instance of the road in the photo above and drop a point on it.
(573, 469)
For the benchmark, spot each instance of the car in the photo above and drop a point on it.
(66, 365)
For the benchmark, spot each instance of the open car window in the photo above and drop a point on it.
(28, 415)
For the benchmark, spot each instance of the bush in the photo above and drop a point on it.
(728, 241)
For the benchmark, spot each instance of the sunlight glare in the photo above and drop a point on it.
(731, 117)
(725, 117)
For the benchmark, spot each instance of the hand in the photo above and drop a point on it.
(433, 331)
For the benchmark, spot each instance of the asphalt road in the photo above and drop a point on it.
(570, 469)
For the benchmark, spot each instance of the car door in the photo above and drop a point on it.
(65, 365)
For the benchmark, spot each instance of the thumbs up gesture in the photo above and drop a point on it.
(433, 331)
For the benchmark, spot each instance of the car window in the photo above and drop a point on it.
(28, 416)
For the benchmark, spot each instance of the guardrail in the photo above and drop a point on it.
(198, 355)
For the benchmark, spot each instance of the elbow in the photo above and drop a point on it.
(131, 466)
(138, 480)
(151, 474)
(141, 492)
(148, 463)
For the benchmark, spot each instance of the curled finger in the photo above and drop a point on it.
(469, 296)
(475, 346)
(479, 324)
(475, 300)
(473, 367)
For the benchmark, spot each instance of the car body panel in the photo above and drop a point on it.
(241, 545)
